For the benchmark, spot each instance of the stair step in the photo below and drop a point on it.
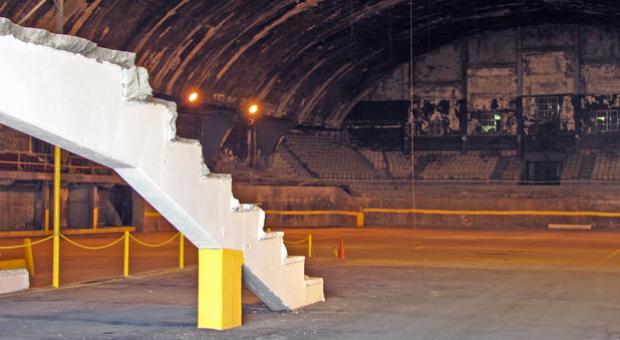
(294, 259)
(312, 281)
(272, 235)
(313, 291)
(587, 166)
(500, 167)
(246, 207)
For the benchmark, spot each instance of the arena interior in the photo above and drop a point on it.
(448, 169)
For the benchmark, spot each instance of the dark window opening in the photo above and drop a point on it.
(606, 120)
(548, 108)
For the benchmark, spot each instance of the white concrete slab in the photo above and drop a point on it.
(14, 280)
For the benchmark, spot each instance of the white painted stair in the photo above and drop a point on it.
(96, 103)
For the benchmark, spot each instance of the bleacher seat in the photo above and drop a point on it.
(330, 159)
(571, 167)
(399, 164)
(453, 165)
(376, 158)
(607, 166)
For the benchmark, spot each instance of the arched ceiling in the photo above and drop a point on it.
(308, 60)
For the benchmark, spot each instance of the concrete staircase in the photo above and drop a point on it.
(96, 103)
(284, 162)
(587, 166)
(500, 167)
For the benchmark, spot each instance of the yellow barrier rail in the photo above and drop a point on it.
(360, 215)
(307, 240)
(494, 212)
(83, 246)
(27, 245)
(28, 260)
(154, 245)
(129, 236)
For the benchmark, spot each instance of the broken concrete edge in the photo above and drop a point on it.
(67, 43)
(136, 78)
(14, 280)
(136, 86)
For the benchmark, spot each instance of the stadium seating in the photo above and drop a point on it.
(571, 167)
(376, 158)
(399, 164)
(607, 166)
(330, 159)
(514, 170)
(284, 165)
(452, 165)
(328, 156)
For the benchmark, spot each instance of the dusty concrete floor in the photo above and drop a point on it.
(430, 284)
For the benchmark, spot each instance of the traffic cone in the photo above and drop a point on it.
(341, 252)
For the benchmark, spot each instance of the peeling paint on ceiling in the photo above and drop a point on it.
(309, 59)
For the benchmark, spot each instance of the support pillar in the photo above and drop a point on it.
(219, 288)
(94, 205)
(56, 240)
(45, 196)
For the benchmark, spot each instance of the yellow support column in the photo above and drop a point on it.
(46, 220)
(360, 219)
(181, 251)
(28, 256)
(309, 245)
(95, 217)
(56, 244)
(126, 255)
(219, 288)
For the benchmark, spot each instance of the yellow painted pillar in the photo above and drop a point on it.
(56, 244)
(95, 217)
(28, 256)
(46, 220)
(181, 251)
(309, 245)
(126, 255)
(219, 288)
(360, 219)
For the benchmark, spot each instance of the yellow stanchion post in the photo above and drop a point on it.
(309, 245)
(181, 251)
(46, 220)
(219, 288)
(95, 217)
(126, 255)
(360, 219)
(56, 245)
(28, 256)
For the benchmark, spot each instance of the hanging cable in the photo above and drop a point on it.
(411, 117)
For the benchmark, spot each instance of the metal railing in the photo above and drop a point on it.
(40, 162)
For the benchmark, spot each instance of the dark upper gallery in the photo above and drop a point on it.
(378, 90)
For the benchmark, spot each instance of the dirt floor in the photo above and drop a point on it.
(394, 284)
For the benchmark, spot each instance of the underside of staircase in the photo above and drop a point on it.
(96, 103)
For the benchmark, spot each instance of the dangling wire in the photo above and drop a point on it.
(411, 117)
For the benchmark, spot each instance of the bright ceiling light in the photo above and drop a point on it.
(193, 97)
(253, 109)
